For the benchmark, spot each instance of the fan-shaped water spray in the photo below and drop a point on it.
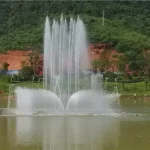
(38, 100)
(89, 101)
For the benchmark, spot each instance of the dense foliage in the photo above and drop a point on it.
(126, 26)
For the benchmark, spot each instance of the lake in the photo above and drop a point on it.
(128, 129)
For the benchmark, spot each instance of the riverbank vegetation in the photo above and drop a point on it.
(125, 87)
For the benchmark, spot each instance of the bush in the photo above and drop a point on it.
(135, 74)
(141, 73)
(120, 78)
(110, 75)
(140, 78)
(36, 78)
(27, 73)
(128, 76)
(17, 78)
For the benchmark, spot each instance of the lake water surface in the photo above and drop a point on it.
(127, 130)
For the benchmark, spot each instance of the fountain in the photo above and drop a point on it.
(65, 56)
(88, 101)
(29, 100)
(67, 86)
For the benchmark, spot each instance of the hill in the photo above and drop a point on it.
(127, 23)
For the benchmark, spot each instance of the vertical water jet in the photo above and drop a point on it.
(66, 47)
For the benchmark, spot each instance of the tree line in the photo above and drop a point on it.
(126, 22)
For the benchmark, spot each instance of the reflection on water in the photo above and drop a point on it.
(62, 133)
(27, 129)
(92, 133)
(74, 133)
(53, 133)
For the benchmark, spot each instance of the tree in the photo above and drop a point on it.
(24, 63)
(21, 23)
(95, 64)
(105, 58)
(36, 62)
(122, 62)
(102, 65)
(143, 61)
(4, 67)
(27, 72)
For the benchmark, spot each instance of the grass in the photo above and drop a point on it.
(138, 88)
(30, 84)
(128, 90)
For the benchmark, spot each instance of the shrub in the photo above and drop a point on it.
(128, 76)
(27, 73)
(17, 77)
(111, 76)
(120, 78)
(36, 78)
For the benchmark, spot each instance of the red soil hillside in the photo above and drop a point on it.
(15, 57)
(95, 53)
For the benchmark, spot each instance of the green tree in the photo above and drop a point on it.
(27, 72)
(34, 60)
(4, 67)
(122, 62)
(143, 61)
(24, 63)
(21, 23)
(95, 65)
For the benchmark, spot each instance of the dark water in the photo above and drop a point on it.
(128, 129)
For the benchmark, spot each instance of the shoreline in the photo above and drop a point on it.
(135, 97)
(121, 97)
